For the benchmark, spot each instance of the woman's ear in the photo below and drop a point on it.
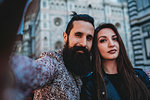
(65, 37)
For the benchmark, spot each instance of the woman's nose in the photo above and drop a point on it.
(111, 43)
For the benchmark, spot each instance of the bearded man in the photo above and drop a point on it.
(59, 72)
(74, 61)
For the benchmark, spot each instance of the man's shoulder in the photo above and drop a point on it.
(57, 54)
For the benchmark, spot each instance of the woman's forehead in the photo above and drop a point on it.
(106, 31)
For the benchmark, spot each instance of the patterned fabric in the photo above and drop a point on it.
(148, 72)
(49, 73)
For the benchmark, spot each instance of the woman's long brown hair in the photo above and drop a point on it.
(137, 89)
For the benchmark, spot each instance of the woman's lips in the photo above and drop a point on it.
(112, 51)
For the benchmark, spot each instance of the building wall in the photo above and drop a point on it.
(139, 13)
(28, 42)
(53, 16)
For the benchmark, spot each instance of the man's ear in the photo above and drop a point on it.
(65, 37)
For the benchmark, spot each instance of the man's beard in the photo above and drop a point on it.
(75, 62)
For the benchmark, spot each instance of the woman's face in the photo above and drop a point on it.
(107, 43)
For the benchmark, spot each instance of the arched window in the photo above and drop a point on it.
(57, 21)
(118, 26)
(58, 45)
(45, 38)
(90, 6)
(45, 44)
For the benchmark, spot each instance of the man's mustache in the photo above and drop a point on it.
(80, 48)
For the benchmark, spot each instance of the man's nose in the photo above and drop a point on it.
(82, 42)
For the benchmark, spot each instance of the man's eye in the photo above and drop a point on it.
(103, 40)
(89, 38)
(78, 34)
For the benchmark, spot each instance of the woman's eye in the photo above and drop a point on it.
(103, 40)
(115, 39)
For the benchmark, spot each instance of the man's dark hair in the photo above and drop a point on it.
(77, 17)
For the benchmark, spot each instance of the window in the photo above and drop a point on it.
(58, 45)
(139, 4)
(45, 38)
(45, 25)
(118, 26)
(45, 43)
(44, 16)
(146, 31)
(52, 3)
(70, 6)
(146, 3)
(57, 21)
(90, 6)
(147, 47)
(44, 4)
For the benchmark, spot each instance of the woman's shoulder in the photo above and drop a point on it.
(89, 76)
(89, 81)
(142, 76)
(140, 72)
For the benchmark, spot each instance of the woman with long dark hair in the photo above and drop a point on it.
(114, 77)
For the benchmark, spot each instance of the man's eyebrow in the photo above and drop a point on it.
(90, 35)
(78, 33)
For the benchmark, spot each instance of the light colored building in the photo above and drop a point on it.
(53, 15)
(28, 41)
(139, 14)
(18, 44)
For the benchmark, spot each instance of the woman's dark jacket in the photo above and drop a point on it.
(89, 90)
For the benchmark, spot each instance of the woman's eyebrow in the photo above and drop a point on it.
(114, 35)
(101, 37)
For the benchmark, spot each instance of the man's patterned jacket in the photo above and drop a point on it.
(48, 75)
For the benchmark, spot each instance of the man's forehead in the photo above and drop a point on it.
(82, 25)
(76, 22)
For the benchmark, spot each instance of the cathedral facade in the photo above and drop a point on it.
(52, 17)
(139, 17)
